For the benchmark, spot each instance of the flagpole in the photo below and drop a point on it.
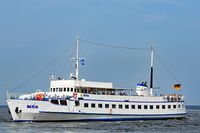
(77, 58)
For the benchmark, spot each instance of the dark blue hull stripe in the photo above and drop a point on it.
(178, 114)
(101, 119)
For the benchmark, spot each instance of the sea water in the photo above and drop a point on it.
(189, 125)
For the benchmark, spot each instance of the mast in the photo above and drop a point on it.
(151, 74)
(77, 58)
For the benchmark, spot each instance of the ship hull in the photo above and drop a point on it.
(44, 111)
(90, 117)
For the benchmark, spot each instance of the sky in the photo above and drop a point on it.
(34, 33)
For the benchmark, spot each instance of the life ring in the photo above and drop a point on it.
(74, 95)
(39, 96)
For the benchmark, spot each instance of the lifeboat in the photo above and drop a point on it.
(39, 96)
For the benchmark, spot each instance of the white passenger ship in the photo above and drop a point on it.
(81, 100)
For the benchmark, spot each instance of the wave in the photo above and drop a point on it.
(4, 114)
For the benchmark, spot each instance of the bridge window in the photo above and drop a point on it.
(54, 101)
(68, 89)
(126, 106)
(71, 89)
(86, 105)
(174, 106)
(100, 105)
(60, 89)
(169, 106)
(157, 107)
(151, 106)
(133, 106)
(163, 106)
(139, 107)
(54, 89)
(64, 89)
(63, 102)
(106, 105)
(120, 106)
(145, 107)
(77, 103)
(113, 106)
(93, 105)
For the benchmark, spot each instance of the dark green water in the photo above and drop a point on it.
(189, 125)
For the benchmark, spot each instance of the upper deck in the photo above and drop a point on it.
(79, 83)
(67, 89)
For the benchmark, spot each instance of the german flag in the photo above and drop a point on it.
(177, 87)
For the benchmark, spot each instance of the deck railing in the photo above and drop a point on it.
(167, 98)
(13, 95)
(174, 98)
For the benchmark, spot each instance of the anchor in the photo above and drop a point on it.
(17, 110)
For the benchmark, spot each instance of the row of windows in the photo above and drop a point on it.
(64, 102)
(61, 89)
(120, 106)
(84, 90)
(68, 90)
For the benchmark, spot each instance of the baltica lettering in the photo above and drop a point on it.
(32, 106)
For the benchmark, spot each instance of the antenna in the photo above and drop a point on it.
(77, 58)
(151, 74)
(75, 76)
